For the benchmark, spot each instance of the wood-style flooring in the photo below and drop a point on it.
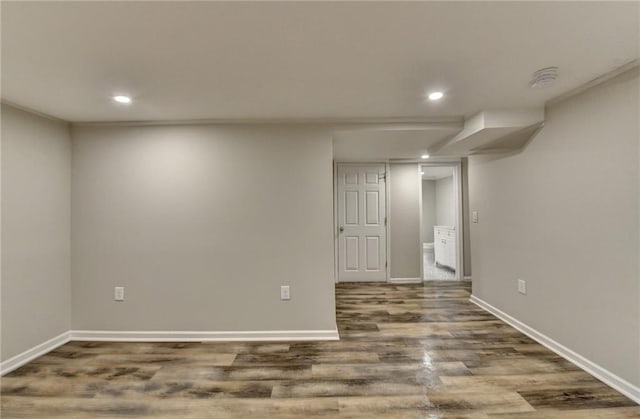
(406, 351)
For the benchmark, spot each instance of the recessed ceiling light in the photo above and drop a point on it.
(424, 156)
(122, 99)
(435, 95)
(422, 173)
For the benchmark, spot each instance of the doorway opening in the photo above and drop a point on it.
(441, 221)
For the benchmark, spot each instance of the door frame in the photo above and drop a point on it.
(457, 182)
(335, 214)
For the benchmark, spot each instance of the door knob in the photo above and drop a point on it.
(341, 229)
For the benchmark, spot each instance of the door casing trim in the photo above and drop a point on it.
(457, 181)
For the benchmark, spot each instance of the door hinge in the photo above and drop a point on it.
(386, 264)
(385, 220)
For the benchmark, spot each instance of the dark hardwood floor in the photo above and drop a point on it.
(409, 351)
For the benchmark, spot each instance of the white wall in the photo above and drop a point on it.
(36, 165)
(445, 202)
(428, 209)
(563, 215)
(404, 221)
(201, 225)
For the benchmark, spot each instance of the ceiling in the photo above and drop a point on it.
(305, 60)
(393, 143)
(436, 172)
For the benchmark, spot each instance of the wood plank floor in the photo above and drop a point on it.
(406, 351)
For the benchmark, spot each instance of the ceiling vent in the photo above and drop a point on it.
(544, 77)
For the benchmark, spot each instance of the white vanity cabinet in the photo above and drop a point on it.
(445, 246)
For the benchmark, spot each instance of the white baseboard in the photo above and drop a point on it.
(31, 354)
(353, 281)
(185, 336)
(623, 386)
(405, 280)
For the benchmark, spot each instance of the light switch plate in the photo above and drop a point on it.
(522, 286)
(285, 293)
(118, 293)
(474, 216)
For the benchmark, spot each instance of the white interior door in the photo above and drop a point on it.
(362, 248)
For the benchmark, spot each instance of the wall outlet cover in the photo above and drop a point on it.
(285, 293)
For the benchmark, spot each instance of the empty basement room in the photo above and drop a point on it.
(320, 209)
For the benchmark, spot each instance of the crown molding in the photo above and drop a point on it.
(628, 67)
(32, 111)
(340, 123)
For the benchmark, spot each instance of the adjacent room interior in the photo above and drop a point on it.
(439, 223)
(300, 209)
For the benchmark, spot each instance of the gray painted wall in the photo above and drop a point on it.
(36, 165)
(202, 225)
(404, 219)
(428, 210)
(445, 203)
(563, 215)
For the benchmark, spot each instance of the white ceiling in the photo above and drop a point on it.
(378, 143)
(315, 60)
(436, 172)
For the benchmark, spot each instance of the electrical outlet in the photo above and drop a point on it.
(522, 286)
(118, 293)
(285, 293)
(474, 216)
